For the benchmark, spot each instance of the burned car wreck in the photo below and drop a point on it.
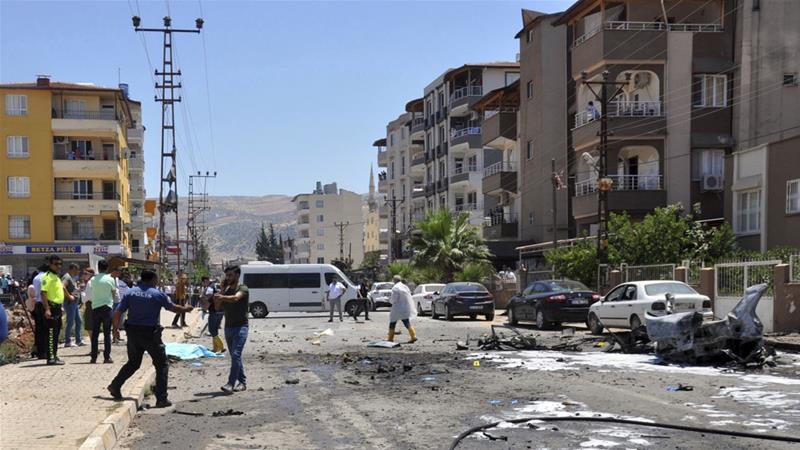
(685, 337)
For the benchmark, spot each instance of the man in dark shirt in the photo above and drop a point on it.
(235, 301)
(143, 304)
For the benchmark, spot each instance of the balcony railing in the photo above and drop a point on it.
(649, 26)
(622, 108)
(86, 115)
(461, 207)
(622, 183)
(454, 134)
(72, 195)
(466, 91)
(498, 218)
(465, 169)
(502, 166)
(76, 232)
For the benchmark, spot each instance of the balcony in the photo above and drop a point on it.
(441, 185)
(85, 168)
(499, 130)
(135, 164)
(633, 193)
(498, 225)
(135, 136)
(462, 98)
(137, 194)
(629, 117)
(69, 230)
(418, 191)
(303, 225)
(86, 123)
(466, 207)
(383, 236)
(469, 135)
(417, 126)
(69, 203)
(418, 159)
(441, 149)
(500, 177)
(462, 174)
(383, 212)
(302, 206)
(383, 158)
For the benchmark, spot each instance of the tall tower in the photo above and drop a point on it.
(372, 201)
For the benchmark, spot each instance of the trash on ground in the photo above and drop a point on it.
(327, 332)
(495, 402)
(685, 337)
(679, 387)
(428, 378)
(353, 382)
(293, 381)
(568, 331)
(461, 345)
(497, 341)
(495, 438)
(197, 364)
(383, 344)
(189, 351)
(188, 413)
(229, 412)
(316, 342)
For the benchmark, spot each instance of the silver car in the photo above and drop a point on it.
(625, 306)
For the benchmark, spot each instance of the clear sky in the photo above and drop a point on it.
(297, 91)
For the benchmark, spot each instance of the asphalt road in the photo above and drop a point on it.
(421, 396)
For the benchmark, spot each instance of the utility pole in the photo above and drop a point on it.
(603, 182)
(198, 205)
(394, 249)
(556, 182)
(341, 226)
(167, 201)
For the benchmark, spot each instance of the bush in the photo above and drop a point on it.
(475, 272)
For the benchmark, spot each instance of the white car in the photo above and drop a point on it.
(381, 294)
(625, 306)
(424, 295)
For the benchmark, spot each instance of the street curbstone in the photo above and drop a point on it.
(106, 435)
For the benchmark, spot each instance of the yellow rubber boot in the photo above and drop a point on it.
(390, 338)
(218, 345)
(413, 334)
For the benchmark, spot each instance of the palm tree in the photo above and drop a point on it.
(448, 242)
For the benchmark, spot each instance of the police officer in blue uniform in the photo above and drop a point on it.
(143, 304)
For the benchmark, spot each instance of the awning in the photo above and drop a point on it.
(118, 261)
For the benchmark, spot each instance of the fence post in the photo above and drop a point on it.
(786, 316)
(707, 285)
(614, 278)
(681, 274)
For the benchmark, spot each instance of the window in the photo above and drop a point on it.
(529, 36)
(304, 280)
(320, 231)
(708, 162)
(320, 218)
(402, 163)
(529, 150)
(321, 247)
(391, 170)
(748, 213)
(391, 139)
(793, 196)
(19, 227)
(529, 89)
(135, 246)
(17, 146)
(19, 187)
(710, 91)
(266, 280)
(16, 105)
(320, 203)
(320, 260)
(530, 218)
(82, 190)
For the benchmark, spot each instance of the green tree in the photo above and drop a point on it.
(447, 242)
(345, 265)
(268, 247)
(476, 272)
(262, 245)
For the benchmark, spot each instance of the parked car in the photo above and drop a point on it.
(550, 302)
(381, 295)
(625, 306)
(423, 296)
(463, 299)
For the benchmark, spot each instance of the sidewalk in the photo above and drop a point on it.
(789, 342)
(59, 407)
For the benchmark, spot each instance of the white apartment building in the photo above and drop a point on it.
(329, 225)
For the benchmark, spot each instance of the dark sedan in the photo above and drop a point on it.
(550, 302)
(463, 299)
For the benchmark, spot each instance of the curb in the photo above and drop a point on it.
(785, 346)
(106, 435)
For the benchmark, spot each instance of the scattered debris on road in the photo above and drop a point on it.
(229, 412)
(293, 381)
(383, 344)
(500, 342)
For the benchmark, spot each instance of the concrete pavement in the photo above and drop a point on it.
(59, 407)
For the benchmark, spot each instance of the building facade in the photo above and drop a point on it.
(329, 226)
(375, 227)
(64, 170)
(141, 219)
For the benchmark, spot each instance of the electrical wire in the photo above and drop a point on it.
(642, 423)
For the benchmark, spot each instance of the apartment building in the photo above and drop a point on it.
(329, 226)
(141, 219)
(762, 176)
(64, 170)
(671, 124)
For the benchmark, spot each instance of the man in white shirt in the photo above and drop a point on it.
(335, 292)
(40, 332)
(122, 289)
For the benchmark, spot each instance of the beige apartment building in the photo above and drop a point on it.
(140, 219)
(329, 226)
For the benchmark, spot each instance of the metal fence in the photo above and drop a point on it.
(693, 269)
(732, 279)
(647, 272)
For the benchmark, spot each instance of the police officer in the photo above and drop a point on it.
(143, 304)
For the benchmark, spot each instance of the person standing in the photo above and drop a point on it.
(180, 299)
(40, 331)
(363, 300)
(143, 304)
(72, 306)
(402, 309)
(334, 294)
(215, 316)
(53, 295)
(103, 288)
(235, 301)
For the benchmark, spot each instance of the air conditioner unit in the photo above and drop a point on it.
(712, 183)
(60, 139)
(62, 218)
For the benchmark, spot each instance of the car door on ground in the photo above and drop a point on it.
(306, 291)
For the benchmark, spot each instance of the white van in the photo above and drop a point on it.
(292, 287)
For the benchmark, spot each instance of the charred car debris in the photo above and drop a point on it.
(676, 337)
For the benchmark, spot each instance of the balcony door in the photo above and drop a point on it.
(82, 228)
(109, 190)
(82, 190)
(109, 230)
(75, 109)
